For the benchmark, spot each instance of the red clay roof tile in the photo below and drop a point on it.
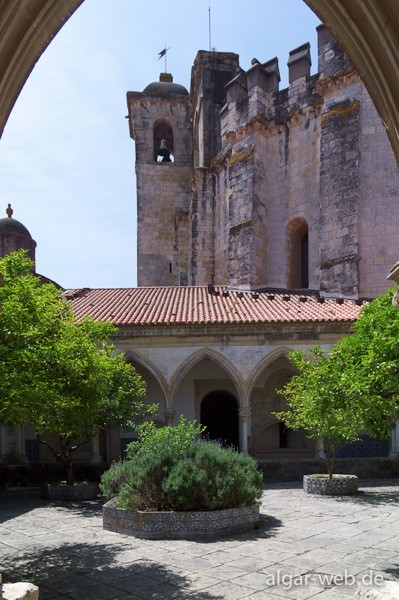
(198, 305)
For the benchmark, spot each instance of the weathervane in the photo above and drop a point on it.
(163, 53)
(209, 27)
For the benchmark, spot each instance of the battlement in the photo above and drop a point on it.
(255, 93)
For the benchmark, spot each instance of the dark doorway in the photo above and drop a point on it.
(219, 412)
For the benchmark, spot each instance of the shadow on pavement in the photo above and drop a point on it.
(92, 571)
(393, 571)
(371, 497)
(16, 503)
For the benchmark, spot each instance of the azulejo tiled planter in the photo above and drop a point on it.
(339, 485)
(66, 493)
(179, 525)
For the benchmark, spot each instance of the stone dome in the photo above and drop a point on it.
(15, 236)
(165, 87)
(13, 226)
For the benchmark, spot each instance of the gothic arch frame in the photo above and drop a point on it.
(268, 422)
(196, 358)
(277, 353)
(131, 356)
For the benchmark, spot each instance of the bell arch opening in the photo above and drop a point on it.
(163, 141)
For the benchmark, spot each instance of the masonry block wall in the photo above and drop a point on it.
(202, 231)
(379, 208)
(163, 188)
(267, 178)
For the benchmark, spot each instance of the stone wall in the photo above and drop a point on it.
(257, 167)
(163, 189)
(379, 207)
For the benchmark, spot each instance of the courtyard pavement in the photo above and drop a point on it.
(307, 547)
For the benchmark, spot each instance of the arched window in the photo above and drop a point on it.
(163, 142)
(297, 254)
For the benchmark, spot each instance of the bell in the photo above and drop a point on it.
(164, 151)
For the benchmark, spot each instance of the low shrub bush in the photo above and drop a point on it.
(213, 478)
(173, 469)
(113, 479)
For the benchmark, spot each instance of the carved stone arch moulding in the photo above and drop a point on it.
(143, 362)
(265, 401)
(278, 380)
(267, 361)
(259, 426)
(214, 356)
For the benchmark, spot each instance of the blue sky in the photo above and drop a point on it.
(66, 159)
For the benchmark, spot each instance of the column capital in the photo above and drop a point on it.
(244, 413)
(169, 415)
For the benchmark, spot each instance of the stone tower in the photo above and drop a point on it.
(160, 116)
(270, 188)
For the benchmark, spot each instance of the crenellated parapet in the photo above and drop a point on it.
(268, 187)
(254, 94)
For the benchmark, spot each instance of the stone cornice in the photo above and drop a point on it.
(269, 332)
(328, 86)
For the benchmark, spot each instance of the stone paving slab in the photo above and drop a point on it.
(307, 547)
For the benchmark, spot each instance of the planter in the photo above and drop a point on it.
(200, 525)
(339, 485)
(67, 493)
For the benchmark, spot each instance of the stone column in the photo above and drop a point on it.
(169, 416)
(394, 442)
(2, 441)
(95, 450)
(12, 443)
(113, 444)
(244, 414)
(21, 443)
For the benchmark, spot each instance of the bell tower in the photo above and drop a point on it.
(159, 121)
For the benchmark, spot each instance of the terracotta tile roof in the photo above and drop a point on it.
(158, 306)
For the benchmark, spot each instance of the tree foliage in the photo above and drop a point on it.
(172, 468)
(60, 376)
(318, 403)
(354, 388)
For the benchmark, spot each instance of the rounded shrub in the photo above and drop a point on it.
(213, 478)
(173, 469)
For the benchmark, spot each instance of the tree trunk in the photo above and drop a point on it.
(331, 462)
(70, 479)
(65, 459)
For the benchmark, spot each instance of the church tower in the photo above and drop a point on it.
(159, 121)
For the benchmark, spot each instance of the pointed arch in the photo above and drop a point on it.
(196, 358)
(277, 353)
(144, 362)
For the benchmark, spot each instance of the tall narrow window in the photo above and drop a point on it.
(163, 142)
(305, 260)
(297, 254)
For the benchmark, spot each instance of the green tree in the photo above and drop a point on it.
(61, 376)
(319, 403)
(370, 360)
(353, 389)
